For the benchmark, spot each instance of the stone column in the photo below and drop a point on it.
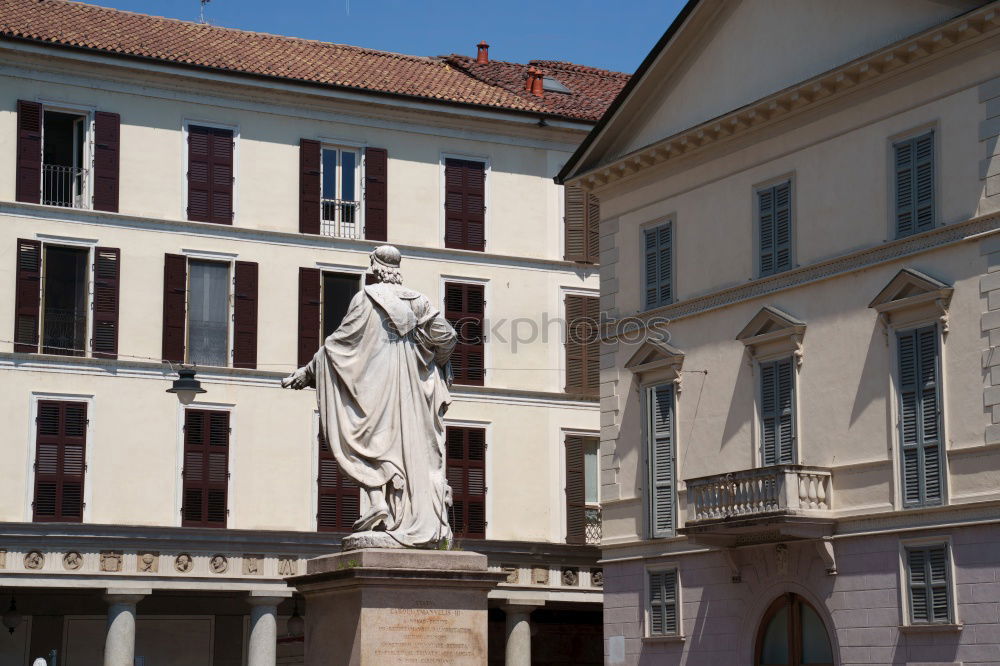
(518, 650)
(264, 626)
(119, 641)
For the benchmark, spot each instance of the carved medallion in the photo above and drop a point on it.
(72, 561)
(147, 562)
(111, 560)
(183, 563)
(219, 564)
(3, 559)
(597, 577)
(570, 576)
(34, 560)
(252, 564)
(287, 566)
(540, 575)
(781, 558)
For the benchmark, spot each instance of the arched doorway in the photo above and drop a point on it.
(791, 633)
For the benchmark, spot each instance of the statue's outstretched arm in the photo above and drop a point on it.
(301, 378)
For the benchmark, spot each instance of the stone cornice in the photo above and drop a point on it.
(904, 55)
(890, 251)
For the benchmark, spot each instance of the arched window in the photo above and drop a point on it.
(792, 634)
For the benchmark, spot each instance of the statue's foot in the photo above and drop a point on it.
(374, 515)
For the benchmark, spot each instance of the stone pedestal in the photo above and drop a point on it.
(393, 606)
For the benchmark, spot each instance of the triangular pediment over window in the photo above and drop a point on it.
(773, 332)
(657, 359)
(912, 297)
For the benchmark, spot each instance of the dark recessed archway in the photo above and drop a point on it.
(791, 633)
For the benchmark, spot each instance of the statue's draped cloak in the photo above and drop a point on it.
(382, 395)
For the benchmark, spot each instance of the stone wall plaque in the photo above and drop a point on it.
(148, 562)
(219, 564)
(183, 563)
(111, 561)
(597, 577)
(540, 575)
(287, 566)
(570, 576)
(34, 560)
(512, 575)
(72, 561)
(3, 559)
(252, 564)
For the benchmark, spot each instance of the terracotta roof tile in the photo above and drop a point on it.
(113, 31)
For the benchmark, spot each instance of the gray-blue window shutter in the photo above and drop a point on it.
(661, 459)
(663, 603)
(930, 593)
(914, 166)
(658, 279)
(775, 228)
(777, 412)
(920, 416)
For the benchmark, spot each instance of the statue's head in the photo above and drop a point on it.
(385, 264)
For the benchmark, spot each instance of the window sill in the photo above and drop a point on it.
(664, 639)
(931, 628)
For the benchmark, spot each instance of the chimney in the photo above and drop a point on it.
(534, 82)
(483, 56)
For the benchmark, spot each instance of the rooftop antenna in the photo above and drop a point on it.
(203, 3)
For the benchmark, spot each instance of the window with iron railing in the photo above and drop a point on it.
(65, 139)
(64, 301)
(340, 204)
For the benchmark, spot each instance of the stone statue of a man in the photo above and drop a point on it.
(382, 386)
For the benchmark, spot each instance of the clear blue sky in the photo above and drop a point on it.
(614, 35)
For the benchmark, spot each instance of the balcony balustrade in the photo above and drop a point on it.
(64, 186)
(341, 219)
(592, 525)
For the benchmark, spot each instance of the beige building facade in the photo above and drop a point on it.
(157, 214)
(799, 441)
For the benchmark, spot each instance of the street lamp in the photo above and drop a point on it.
(186, 386)
(12, 618)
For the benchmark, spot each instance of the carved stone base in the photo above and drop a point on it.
(396, 606)
(370, 539)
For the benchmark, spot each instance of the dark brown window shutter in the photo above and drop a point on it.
(339, 503)
(60, 452)
(465, 204)
(583, 346)
(245, 316)
(464, 307)
(466, 473)
(309, 186)
(582, 225)
(576, 528)
(206, 468)
(174, 306)
(210, 174)
(107, 129)
(309, 301)
(376, 194)
(107, 281)
(28, 295)
(29, 152)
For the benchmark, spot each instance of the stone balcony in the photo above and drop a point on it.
(762, 505)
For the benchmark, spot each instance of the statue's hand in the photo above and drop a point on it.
(297, 380)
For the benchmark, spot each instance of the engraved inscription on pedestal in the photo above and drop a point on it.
(251, 565)
(72, 561)
(424, 635)
(147, 562)
(111, 560)
(34, 560)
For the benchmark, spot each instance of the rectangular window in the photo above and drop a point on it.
(210, 174)
(913, 161)
(777, 412)
(206, 468)
(582, 225)
(927, 577)
(208, 313)
(920, 416)
(583, 345)
(64, 299)
(663, 607)
(339, 503)
(341, 200)
(465, 204)
(583, 508)
(774, 224)
(658, 266)
(338, 290)
(60, 451)
(660, 454)
(464, 308)
(64, 158)
(466, 473)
